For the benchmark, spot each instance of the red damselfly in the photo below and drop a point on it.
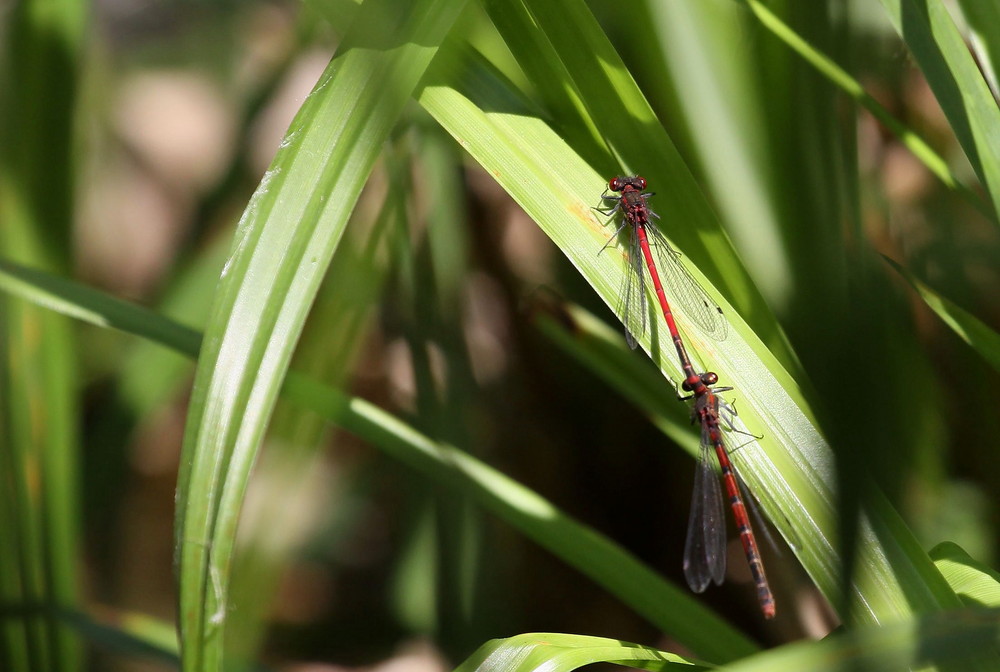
(646, 242)
(705, 548)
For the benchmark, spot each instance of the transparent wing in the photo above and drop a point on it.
(705, 548)
(683, 289)
(634, 304)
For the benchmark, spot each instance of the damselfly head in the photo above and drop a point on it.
(619, 183)
(706, 379)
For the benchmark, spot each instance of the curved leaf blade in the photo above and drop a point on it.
(283, 246)
(975, 582)
(555, 652)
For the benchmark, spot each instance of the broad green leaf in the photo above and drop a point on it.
(555, 652)
(976, 583)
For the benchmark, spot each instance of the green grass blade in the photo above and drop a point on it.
(95, 307)
(673, 610)
(284, 243)
(980, 337)
(934, 40)
(39, 459)
(554, 652)
(287, 491)
(40, 55)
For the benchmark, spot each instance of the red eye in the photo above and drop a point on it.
(615, 184)
(709, 378)
(641, 181)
